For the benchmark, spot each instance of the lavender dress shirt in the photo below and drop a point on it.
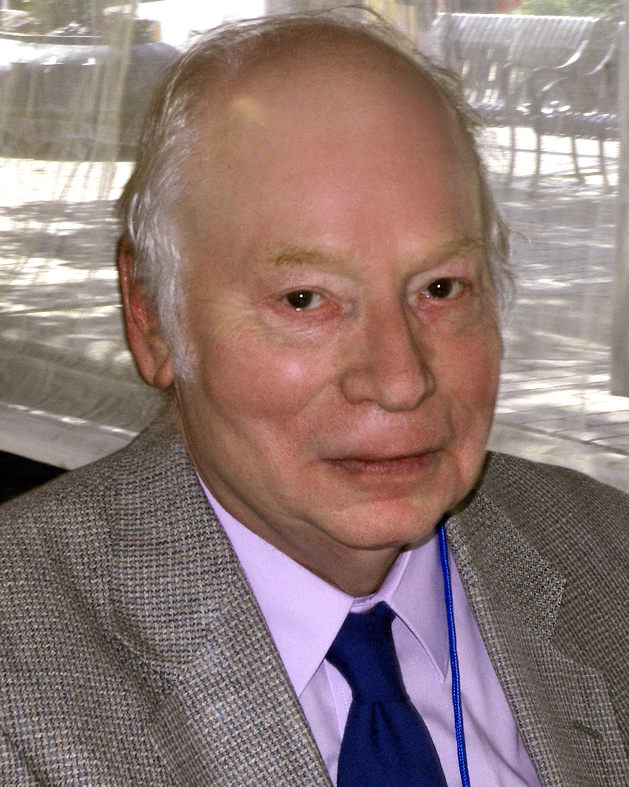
(304, 613)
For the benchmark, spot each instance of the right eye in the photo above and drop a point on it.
(443, 289)
(300, 300)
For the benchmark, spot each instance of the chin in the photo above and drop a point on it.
(387, 524)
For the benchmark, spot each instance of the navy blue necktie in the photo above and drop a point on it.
(385, 743)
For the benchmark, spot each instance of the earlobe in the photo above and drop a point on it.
(144, 336)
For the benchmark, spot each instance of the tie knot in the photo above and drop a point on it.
(364, 654)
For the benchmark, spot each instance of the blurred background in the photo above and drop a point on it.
(549, 78)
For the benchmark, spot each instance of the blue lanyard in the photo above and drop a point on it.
(454, 661)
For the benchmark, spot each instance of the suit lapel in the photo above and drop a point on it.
(228, 714)
(562, 707)
(232, 718)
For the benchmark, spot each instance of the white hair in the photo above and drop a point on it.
(206, 73)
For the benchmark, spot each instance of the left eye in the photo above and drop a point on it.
(443, 288)
(302, 299)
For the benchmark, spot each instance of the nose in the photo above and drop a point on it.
(389, 364)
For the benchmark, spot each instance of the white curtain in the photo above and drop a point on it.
(69, 116)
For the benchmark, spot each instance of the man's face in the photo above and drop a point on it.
(341, 313)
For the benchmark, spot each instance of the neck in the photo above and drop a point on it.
(357, 572)
(357, 578)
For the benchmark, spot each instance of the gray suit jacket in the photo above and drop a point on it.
(133, 653)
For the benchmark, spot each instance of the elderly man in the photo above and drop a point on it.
(309, 572)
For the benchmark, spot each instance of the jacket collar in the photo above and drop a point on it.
(562, 707)
(179, 601)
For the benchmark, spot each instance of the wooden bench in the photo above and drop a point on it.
(495, 55)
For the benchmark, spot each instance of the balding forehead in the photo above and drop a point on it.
(317, 96)
(334, 62)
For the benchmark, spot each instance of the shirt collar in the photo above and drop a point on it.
(414, 591)
(304, 613)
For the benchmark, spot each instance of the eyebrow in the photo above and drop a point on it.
(296, 256)
(465, 245)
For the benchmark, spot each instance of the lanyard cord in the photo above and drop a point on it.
(454, 662)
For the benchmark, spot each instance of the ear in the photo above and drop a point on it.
(144, 336)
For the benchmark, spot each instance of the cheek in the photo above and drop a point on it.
(249, 377)
(479, 375)
(472, 368)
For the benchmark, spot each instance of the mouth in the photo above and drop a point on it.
(385, 466)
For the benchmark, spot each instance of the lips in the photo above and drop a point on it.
(385, 465)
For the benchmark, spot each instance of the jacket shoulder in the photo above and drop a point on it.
(514, 481)
(578, 523)
(63, 670)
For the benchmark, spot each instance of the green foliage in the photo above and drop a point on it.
(612, 9)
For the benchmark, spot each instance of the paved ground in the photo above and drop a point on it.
(555, 402)
(68, 391)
